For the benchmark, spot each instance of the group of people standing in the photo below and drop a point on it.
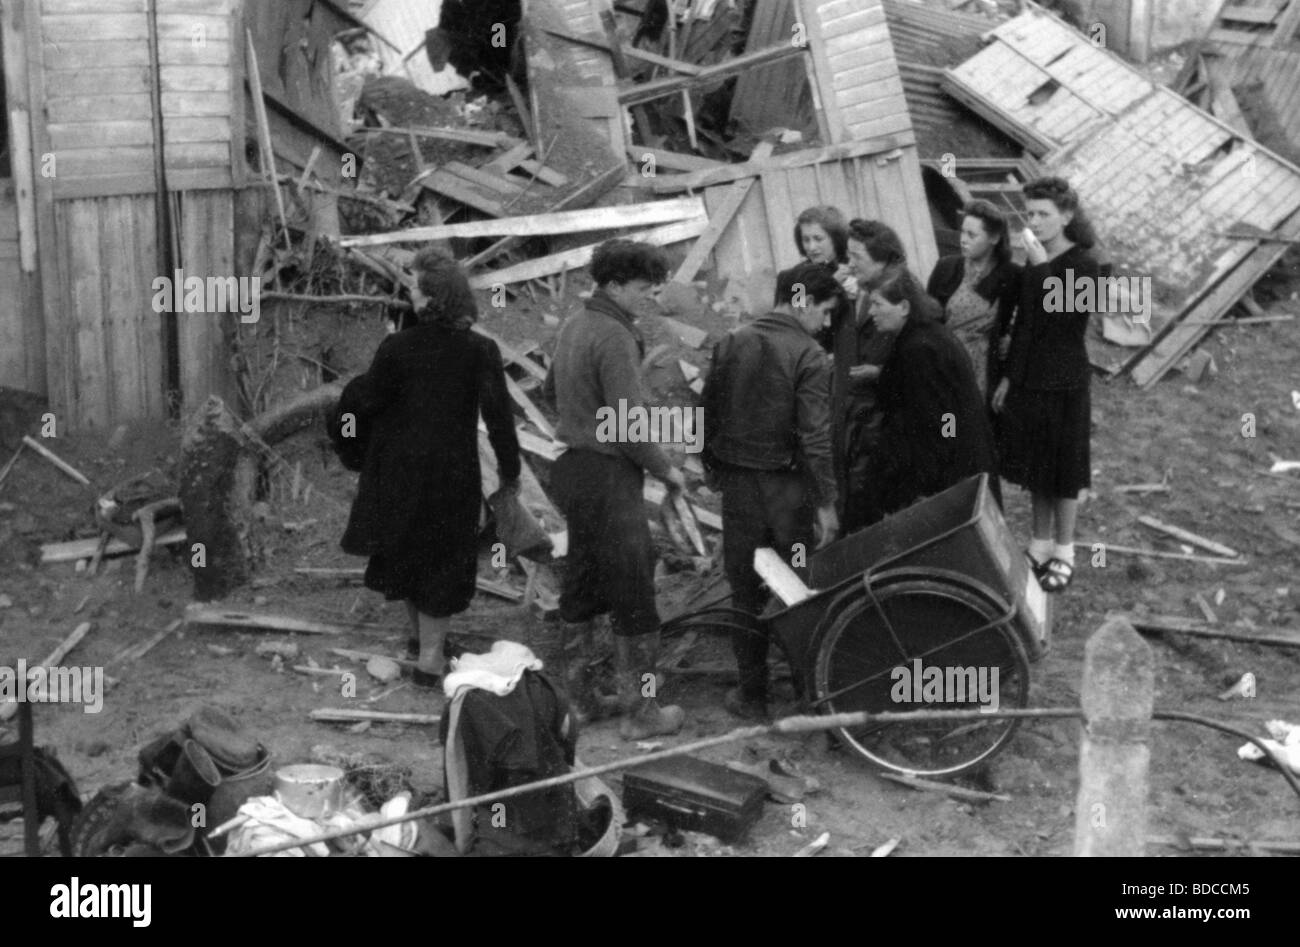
(852, 398)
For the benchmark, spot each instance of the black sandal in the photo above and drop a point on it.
(1056, 575)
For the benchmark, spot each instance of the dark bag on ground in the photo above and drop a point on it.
(695, 795)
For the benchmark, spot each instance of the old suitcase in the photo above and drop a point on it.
(695, 795)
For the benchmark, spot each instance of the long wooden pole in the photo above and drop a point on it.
(788, 725)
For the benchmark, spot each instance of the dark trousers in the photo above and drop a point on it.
(610, 566)
(761, 508)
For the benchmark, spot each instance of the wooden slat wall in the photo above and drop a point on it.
(96, 63)
(110, 334)
(859, 86)
(207, 249)
(882, 187)
(293, 39)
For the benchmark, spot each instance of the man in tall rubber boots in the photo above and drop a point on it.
(598, 483)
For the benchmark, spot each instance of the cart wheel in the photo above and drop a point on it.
(867, 658)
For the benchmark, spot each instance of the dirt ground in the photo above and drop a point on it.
(1219, 488)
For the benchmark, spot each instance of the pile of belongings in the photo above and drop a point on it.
(269, 821)
(190, 781)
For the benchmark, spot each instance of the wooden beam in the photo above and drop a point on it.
(673, 160)
(1280, 637)
(202, 615)
(658, 88)
(580, 256)
(265, 145)
(654, 59)
(556, 222)
(795, 159)
(469, 136)
(719, 221)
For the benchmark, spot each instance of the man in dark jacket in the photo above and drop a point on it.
(767, 413)
(598, 481)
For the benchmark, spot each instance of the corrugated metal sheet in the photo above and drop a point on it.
(1160, 178)
(403, 23)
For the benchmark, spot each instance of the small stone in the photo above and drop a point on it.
(383, 669)
(35, 611)
(6, 601)
(220, 651)
(260, 600)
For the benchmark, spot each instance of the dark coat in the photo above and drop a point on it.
(416, 513)
(1048, 349)
(927, 376)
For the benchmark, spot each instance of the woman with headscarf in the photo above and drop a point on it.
(416, 513)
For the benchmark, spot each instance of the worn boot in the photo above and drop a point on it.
(749, 700)
(636, 657)
(585, 701)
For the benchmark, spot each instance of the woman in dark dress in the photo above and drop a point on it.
(977, 285)
(416, 513)
(934, 431)
(1042, 396)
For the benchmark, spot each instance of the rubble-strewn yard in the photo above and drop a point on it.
(1219, 488)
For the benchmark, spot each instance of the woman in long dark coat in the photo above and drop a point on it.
(416, 514)
(935, 432)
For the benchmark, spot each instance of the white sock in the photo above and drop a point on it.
(1040, 550)
(1064, 552)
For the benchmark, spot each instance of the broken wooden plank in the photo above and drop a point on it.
(531, 411)
(458, 189)
(196, 614)
(1188, 537)
(468, 136)
(57, 461)
(957, 792)
(779, 577)
(1108, 547)
(719, 221)
(265, 144)
(580, 256)
(138, 651)
(366, 656)
(357, 573)
(644, 55)
(493, 182)
(642, 92)
(85, 548)
(344, 715)
(672, 160)
(804, 158)
(655, 492)
(541, 225)
(9, 708)
(544, 174)
(1279, 637)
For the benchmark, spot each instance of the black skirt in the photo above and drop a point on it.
(1044, 441)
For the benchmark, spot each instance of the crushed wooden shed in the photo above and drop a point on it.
(1251, 54)
(110, 103)
(1168, 186)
